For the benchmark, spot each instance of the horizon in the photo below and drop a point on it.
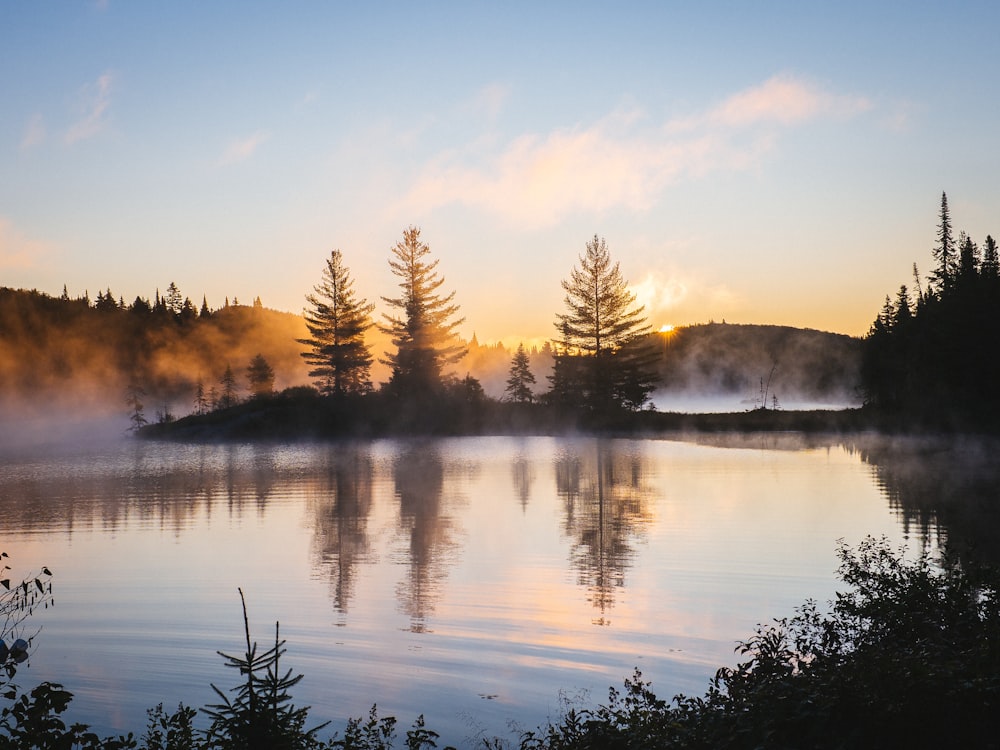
(776, 166)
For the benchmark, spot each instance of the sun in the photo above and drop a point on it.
(666, 328)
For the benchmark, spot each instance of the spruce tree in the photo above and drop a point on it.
(423, 326)
(604, 336)
(520, 379)
(944, 252)
(337, 321)
(260, 376)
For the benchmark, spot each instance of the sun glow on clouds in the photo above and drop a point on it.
(537, 180)
(664, 295)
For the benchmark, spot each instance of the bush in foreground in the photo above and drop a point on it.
(908, 656)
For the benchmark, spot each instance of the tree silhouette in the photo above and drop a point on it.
(944, 252)
(134, 396)
(937, 363)
(423, 328)
(605, 334)
(520, 379)
(260, 376)
(337, 321)
(228, 382)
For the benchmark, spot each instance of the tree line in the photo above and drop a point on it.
(604, 361)
(931, 356)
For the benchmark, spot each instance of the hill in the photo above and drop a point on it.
(746, 366)
(69, 359)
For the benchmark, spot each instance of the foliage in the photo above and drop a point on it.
(521, 379)
(934, 359)
(260, 716)
(423, 327)
(34, 721)
(260, 376)
(605, 335)
(18, 601)
(337, 321)
(228, 398)
(908, 657)
(174, 732)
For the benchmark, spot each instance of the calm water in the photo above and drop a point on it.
(480, 581)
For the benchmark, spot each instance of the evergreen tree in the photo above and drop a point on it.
(520, 380)
(990, 268)
(173, 299)
(606, 334)
(260, 376)
(228, 396)
(337, 321)
(204, 312)
(944, 251)
(134, 396)
(423, 330)
(201, 403)
(968, 262)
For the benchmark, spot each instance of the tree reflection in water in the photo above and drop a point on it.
(418, 476)
(343, 503)
(945, 490)
(607, 509)
(522, 476)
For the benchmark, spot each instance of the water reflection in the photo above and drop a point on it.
(342, 505)
(606, 508)
(418, 477)
(944, 489)
(523, 476)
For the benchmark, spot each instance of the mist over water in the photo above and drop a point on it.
(474, 580)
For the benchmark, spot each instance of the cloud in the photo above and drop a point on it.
(663, 296)
(18, 251)
(784, 100)
(96, 98)
(490, 100)
(34, 132)
(242, 149)
(538, 179)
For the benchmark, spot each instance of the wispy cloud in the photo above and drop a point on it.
(242, 149)
(783, 100)
(18, 251)
(664, 296)
(95, 98)
(490, 100)
(538, 179)
(34, 132)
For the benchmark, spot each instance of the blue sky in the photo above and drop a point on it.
(753, 162)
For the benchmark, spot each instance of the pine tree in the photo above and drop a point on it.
(260, 376)
(200, 399)
(337, 321)
(990, 267)
(228, 397)
(423, 330)
(607, 335)
(521, 379)
(944, 252)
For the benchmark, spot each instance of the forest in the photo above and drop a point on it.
(931, 358)
(160, 359)
(927, 362)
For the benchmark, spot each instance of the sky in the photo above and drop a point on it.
(753, 162)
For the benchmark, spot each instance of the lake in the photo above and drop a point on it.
(485, 582)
